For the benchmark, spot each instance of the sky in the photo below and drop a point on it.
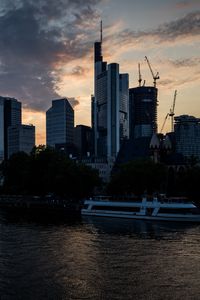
(46, 52)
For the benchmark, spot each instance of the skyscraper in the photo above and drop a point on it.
(60, 124)
(1, 129)
(109, 106)
(142, 111)
(10, 115)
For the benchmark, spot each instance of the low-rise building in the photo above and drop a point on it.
(102, 165)
(21, 138)
(187, 136)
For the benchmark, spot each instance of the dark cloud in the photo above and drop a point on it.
(79, 71)
(74, 102)
(186, 62)
(187, 4)
(36, 38)
(188, 26)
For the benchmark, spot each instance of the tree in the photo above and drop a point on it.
(188, 183)
(137, 177)
(16, 173)
(47, 171)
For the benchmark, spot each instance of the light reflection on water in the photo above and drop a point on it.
(98, 258)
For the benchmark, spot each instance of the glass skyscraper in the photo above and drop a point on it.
(10, 115)
(1, 130)
(143, 111)
(109, 106)
(60, 124)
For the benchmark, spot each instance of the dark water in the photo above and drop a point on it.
(98, 259)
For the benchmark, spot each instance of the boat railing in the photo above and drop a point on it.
(123, 198)
(180, 200)
(132, 198)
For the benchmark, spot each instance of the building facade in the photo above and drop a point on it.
(21, 138)
(83, 140)
(187, 136)
(1, 130)
(142, 111)
(60, 124)
(103, 165)
(10, 115)
(109, 106)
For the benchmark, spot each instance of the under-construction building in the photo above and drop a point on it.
(142, 111)
(142, 123)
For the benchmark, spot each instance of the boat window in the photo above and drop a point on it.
(85, 206)
(178, 211)
(116, 208)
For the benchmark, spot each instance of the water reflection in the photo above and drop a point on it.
(141, 228)
(98, 258)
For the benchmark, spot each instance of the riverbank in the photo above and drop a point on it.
(40, 204)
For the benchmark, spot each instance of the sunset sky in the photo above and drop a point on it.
(46, 52)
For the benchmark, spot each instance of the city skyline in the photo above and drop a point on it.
(53, 52)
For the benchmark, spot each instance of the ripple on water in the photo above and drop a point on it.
(99, 259)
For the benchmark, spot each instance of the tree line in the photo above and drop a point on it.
(47, 171)
(145, 176)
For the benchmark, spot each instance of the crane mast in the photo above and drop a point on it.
(155, 76)
(140, 77)
(163, 125)
(171, 112)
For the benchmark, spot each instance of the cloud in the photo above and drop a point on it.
(187, 26)
(79, 71)
(186, 62)
(36, 39)
(74, 102)
(187, 4)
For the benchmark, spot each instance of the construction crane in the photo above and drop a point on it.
(163, 125)
(155, 76)
(170, 114)
(140, 77)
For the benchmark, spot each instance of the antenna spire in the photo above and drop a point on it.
(101, 32)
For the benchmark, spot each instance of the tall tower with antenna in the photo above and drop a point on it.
(109, 105)
(99, 67)
(101, 32)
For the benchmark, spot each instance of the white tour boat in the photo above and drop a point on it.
(162, 209)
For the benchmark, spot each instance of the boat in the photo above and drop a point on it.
(146, 208)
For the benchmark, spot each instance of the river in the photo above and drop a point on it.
(98, 258)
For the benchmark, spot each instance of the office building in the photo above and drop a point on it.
(21, 138)
(109, 106)
(10, 115)
(83, 140)
(142, 124)
(60, 124)
(1, 130)
(142, 111)
(187, 136)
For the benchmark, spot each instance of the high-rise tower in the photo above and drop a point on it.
(60, 124)
(143, 111)
(10, 115)
(109, 105)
